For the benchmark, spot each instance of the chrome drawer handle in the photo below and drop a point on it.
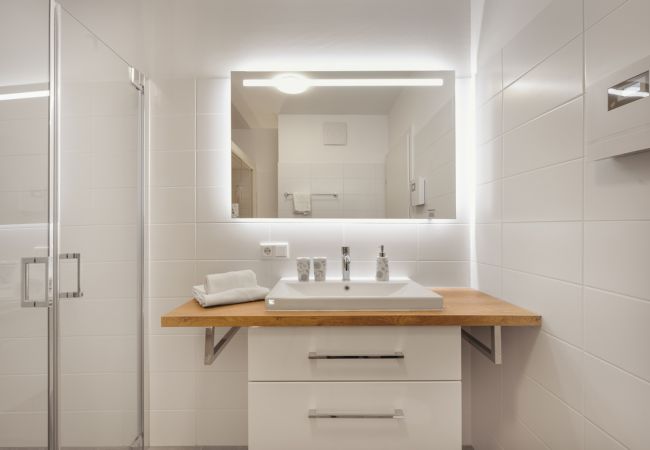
(396, 355)
(316, 414)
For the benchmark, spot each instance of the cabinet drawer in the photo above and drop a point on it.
(354, 353)
(354, 415)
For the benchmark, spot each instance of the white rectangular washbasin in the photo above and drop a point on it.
(396, 295)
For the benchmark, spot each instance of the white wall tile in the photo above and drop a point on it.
(172, 205)
(553, 249)
(172, 242)
(489, 79)
(618, 188)
(212, 205)
(554, 82)
(171, 278)
(222, 390)
(489, 160)
(602, 46)
(616, 328)
(556, 25)
(443, 242)
(168, 428)
(213, 96)
(172, 353)
(596, 10)
(21, 430)
(171, 169)
(230, 241)
(313, 239)
(618, 403)
(227, 426)
(213, 169)
(489, 202)
(172, 97)
(441, 274)
(597, 439)
(553, 193)
(212, 132)
(175, 133)
(490, 119)
(488, 244)
(559, 303)
(554, 364)
(548, 417)
(172, 390)
(550, 139)
(617, 257)
(488, 279)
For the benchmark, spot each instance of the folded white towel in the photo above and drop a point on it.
(220, 282)
(236, 295)
(302, 203)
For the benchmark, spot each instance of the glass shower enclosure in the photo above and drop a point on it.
(71, 235)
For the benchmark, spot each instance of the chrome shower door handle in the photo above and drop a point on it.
(77, 293)
(25, 300)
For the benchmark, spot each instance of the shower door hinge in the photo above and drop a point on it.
(137, 79)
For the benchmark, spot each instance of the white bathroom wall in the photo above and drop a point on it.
(562, 236)
(354, 171)
(192, 235)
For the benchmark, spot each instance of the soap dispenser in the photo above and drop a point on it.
(382, 266)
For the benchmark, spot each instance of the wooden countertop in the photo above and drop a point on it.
(464, 307)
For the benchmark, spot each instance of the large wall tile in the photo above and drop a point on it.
(172, 242)
(551, 139)
(314, 239)
(548, 417)
(213, 96)
(489, 79)
(556, 25)
(554, 82)
(617, 257)
(488, 202)
(618, 403)
(230, 241)
(442, 242)
(597, 439)
(554, 193)
(171, 169)
(559, 303)
(625, 28)
(175, 133)
(172, 97)
(172, 205)
(618, 188)
(616, 329)
(488, 244)
(169, 428)
(553, 249)
(490, 119)
(489, 161)
(596, 10)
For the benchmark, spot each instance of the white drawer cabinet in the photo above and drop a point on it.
(428, 415)
(354, 353)
(354, 388)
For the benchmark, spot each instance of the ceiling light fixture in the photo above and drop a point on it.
(24, 95)
(296, 84)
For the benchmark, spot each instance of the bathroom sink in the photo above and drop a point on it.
(401, 295)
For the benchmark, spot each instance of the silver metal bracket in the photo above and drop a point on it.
(212, 350)
(137, 79)
(493, 353)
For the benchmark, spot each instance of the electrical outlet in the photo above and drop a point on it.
(274, 250)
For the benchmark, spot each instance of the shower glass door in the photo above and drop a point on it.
(23, 222)
(99, 242)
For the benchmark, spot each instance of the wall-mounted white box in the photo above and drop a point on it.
(335, 133)
(274, 250)
(618, 112)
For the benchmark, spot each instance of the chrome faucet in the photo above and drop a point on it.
(346, 263)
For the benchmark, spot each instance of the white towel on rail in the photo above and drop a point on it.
(302, 203)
